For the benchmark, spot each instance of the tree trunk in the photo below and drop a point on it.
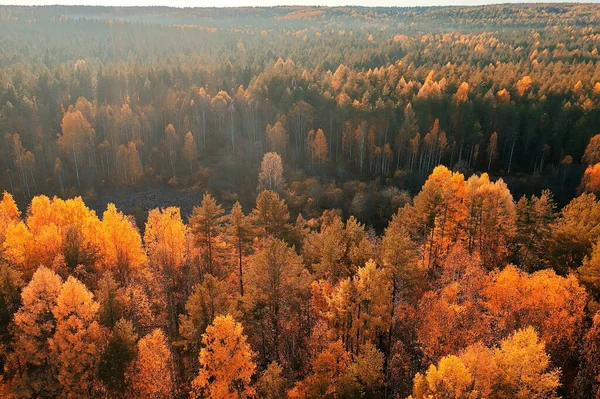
(240, 265)
(76, 167)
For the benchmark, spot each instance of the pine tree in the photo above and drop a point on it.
(208, 300)
(34, 325)
(206, 225)
(167, 247)
(327, 368)
(317, 148)
(190, 151)
(438, 214)
(398, 254)
(518, 368)
(9, 214)
(326, 250)
(122, 245)
(373, 293)
(118, 354)
(491, 220)
(75, 138)
(525, 368)
(364, 377)
(112, 300)
(271, 384)
(270, 215)
(226, 365)
(574, 233)
(150, 375)
(172, 141)
(277, 138)
(277, 287)
(240, 234)
(78, 342)
(534, 229)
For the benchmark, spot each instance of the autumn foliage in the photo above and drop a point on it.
(226, 361)
(307, 202)
(246, 304)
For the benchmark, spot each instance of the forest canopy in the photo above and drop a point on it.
(94, 99)
(459, 289)
(300, 202)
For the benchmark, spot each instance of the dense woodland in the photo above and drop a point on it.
(368, 202)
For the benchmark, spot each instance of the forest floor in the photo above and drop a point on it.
(149, 197)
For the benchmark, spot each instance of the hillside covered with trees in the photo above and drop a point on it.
(300, 202)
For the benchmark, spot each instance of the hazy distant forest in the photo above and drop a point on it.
(300, 202)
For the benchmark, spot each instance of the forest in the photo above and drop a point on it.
(300, 202)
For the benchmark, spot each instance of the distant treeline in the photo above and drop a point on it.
(195, 97)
